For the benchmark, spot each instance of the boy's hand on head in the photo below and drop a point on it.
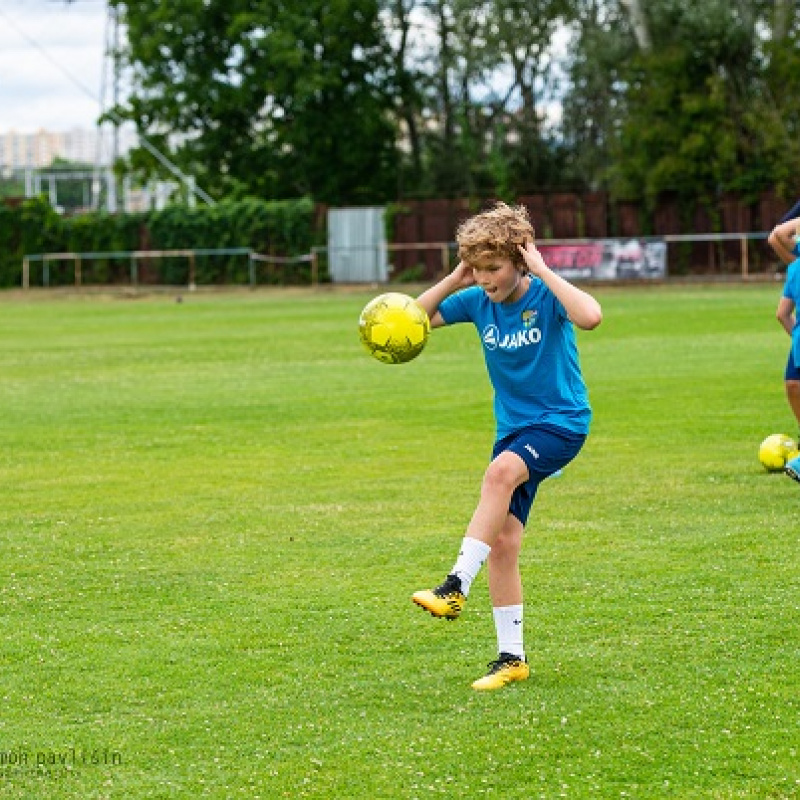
(533, 258)
(463, 275)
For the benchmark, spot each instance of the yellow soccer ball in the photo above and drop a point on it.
(394, 328)
(775, 451)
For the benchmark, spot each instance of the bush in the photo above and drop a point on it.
(281, 228)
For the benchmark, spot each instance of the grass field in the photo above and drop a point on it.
(215, 512)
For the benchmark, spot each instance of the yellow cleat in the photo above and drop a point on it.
(445, 601)
(505, 669)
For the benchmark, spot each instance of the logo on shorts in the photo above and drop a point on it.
(531, 450)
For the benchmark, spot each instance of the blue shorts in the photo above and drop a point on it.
(792, 370)
(545, 449)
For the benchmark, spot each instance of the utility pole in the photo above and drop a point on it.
(110, 55)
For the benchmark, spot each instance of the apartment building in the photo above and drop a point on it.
(38, 150)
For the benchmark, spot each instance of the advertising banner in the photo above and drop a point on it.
(608, 259)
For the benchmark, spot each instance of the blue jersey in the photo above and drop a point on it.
(531, 357)
(791, 290)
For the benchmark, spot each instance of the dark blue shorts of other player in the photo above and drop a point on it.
(545, 449)
(792, 372)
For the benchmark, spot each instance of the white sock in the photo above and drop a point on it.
(469, 562)
(508, 622)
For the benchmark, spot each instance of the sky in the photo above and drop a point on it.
(51, 64)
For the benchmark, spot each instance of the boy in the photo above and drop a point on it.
(524, 313)
(783, 240)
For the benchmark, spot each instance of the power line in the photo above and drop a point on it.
(112, 114)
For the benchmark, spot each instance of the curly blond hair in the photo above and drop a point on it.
(495, 233)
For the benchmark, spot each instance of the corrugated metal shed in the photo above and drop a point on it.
(357, 245)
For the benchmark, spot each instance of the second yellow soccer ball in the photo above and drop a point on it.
(775, 451)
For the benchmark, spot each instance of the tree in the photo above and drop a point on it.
(484, 75)
(594, 101)
(265, 97)
(408, 80)
(684, 97)
(367, 100)
(524, 34)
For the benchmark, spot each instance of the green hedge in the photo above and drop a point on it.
(31, 227)
(282, 228)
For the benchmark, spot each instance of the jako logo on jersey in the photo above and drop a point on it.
(511, 341)
(491, 336)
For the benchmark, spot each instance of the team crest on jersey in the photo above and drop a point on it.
(529, 318)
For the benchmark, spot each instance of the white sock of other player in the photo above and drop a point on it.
(508, 622)
(469, 562)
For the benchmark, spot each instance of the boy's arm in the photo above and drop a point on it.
(461, 277)
(581, 307)
(781, 240)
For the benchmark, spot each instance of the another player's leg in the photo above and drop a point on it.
(792, 468)
(793, 396)
(505, 589)
(502, 476)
